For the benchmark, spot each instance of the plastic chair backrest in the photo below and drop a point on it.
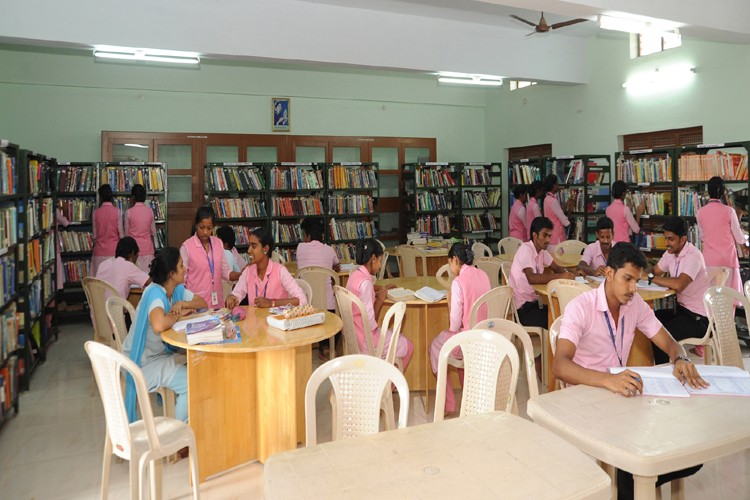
(392, 320)
(720, 304)
(107, 364)
(747, 289)
(511, 331)
(407, 256)
(483, 354)
(565, 290)
(718, 276)
(490, 266)
(570, 247)
(116, 307)
(346, 301)
(499, 302)
(508, 245)
(554, 331)
(319, 279)
(383, 267)
(444, 275)
(307, 289)
(358, 383)
(505, 271)
(277, 257)
(97, 292)
(481, 250)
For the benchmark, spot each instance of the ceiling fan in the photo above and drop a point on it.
(543, 27)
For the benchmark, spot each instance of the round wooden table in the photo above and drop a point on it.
(246, 399)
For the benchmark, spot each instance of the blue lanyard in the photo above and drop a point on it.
(210, 259)
(264, 290)
(612, 335)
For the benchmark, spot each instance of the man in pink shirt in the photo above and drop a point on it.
(533, 210)
(554, 212)
(621, 216)
(121, 271)
(517, 222)
(594, 259)
(688, 277)
(529, 265)
(597, 333)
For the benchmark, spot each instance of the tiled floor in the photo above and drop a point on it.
(53, 447)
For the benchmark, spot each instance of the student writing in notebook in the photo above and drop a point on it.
(594, 259)
(597, 333)
(468, 285)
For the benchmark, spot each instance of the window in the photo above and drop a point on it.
(643, 44)
(519, 84)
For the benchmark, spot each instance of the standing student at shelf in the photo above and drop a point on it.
(468, 285)
(231, 255)
(688, 277)
(265, 283)
(594, 259)
(533, 210)
(106, 229)
(529, 268)
(313, 252)
(517, 222)
(121, 271)
(621, 215)
(596, 322)
(140, 224)
(164, 301)
(369, 256)
(203, 257)
(60, 220)
(554, 212)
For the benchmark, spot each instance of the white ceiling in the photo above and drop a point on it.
(474, 36)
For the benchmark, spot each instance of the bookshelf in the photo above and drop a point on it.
(10, 162)
(481, 202)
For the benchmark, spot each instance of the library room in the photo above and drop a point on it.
(384, 248)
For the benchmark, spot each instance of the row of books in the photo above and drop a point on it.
(577, 229)
(480, 222)
(48, 247)
(8, 332)
(48, 213)
(476, 176)
(34, 258)
(286, 233)
(8, 226)
(288, 254)
(232, 208)
(650, 241)
(434, 177)
(689, 201)
(600, 192)
(427, 201)
(35, 176)
(241, 235)
(352, 230)
(161, 238)
(481, 199)
(524, 174)
(75, 270)
(49, 286)
(75, 179)
(350, 204)
(76, 241)
(34, 297)
(343, 177)
(728, 166)
(296, 178)
(285, 206)
(9, 386)
(567, 172)
(434, 225)
(157, 206)
(644, 169)
(7, 278)
(236, 179)
(32, 216)
(345, 251)
(655, 203)
(122, 179)
(8, 174)
(564, 194)
(80, 210)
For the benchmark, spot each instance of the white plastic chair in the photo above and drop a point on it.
(718, 276)
(358, 383)
(566, 250)
(481, 250)
(722, 330)
(320, 279)
(508, 245)
(505, 271)
(383, 267)
(306, 288)
(277, 257)
(144, 442)
(499, 302)
(346, 301)
(97, 291)
(484, 352)
(393, 319)
(407, 256)
(444, 276)
(554, 331)
(491, 267)
(565, 290)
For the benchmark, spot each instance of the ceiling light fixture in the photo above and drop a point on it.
(146, 55)
(470, 79)
(660, 79)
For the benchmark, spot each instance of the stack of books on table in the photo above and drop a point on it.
(205, 332)
(400, 294)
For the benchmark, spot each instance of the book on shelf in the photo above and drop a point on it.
(433, 201)
(434, 177)
(429, 294)
(644, 169)
(8, 174)
(350, 204)
(73, 179)
(77, 210)
(476, 176)
(297, 205)
(236, 179)
(660, 381)
(524, 174)
(286, 178)
(701, 167)
(352, 176)
(235, 208)
(400, 294)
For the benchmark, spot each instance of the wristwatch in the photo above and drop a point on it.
(680, 356)
(273, 303)
(650, 278)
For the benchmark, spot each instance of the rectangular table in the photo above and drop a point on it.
(645, 435)
(495, 455)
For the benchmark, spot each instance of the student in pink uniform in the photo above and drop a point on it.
(106, 228)
(594, 259)
(468, 285)
(720, 234)
(688, 277)
(203, 257)
(517, 224)
(139, 223)
(121, 271)
(60, 220)
(621, 215)
(554, 212)
(369, 256)
(533, 210)
(265, 283)
(597, 332)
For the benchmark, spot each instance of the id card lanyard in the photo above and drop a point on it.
(612, 336)
(212, 267)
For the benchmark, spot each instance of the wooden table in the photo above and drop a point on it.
(494, 455)
(641, 352)
(435, 257)
(246, 400)
(645, 435)
(343, 275)
(134, 297)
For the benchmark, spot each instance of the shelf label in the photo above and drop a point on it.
(128, 164)
(709, 146)
(566, 157)
(238, 164)
(436, 163)
(351, 164)
(524, 160)
(644, 184)
(640, 151)
(293, 164)
(645, 216)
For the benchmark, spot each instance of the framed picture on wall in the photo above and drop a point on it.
(280, 114)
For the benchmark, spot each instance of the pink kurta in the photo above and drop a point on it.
(198, 276)
(316, 253)
(532, 212)
(277, 283)
(107, 231)
(139, 223)
(121, 274)
(623, 221)
(526, 256)
(720, 234)
(517, 221)
(689, 261)
(554, 212)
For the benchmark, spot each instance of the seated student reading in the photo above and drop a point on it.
(597, 333)
(121, 271)
(594, 259)
(530, 265)
(468, 285)
(164, 301)
(265, 283)
(688, 277)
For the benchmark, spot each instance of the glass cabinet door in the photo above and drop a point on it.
(179, 160)
(310, 154)
(131, 151)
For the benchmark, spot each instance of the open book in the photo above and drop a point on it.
(643, 285)
(723, 380)
(400, 294)
(430, 294)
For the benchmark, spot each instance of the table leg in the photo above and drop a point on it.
(644, 487)
(276, 401)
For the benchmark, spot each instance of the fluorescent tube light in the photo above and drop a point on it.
(136, 146)
(148, 55)
(660, 79)
(470, 79)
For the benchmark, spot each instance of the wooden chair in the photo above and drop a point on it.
(565, 290)
(491, 267)
(445, 276)
(407, 256)
(508, 245)
(481, 250)
(97, 292)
